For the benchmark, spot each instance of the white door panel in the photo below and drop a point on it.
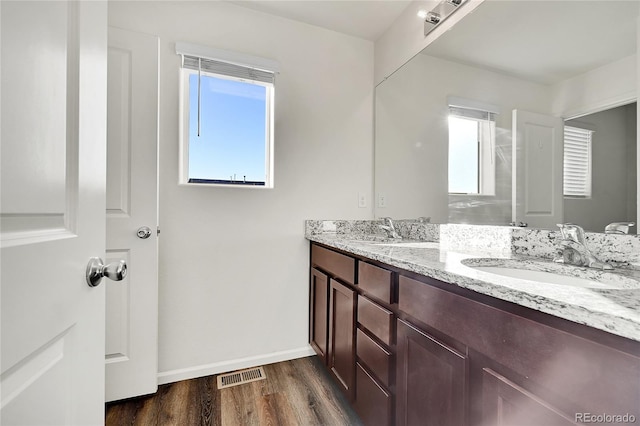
(132, 312)
(53, 126)
(538, 144)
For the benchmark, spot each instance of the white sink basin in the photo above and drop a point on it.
(414, 244)
(548, 272)
(543, 277)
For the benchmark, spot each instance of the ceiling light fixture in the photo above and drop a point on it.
(435, 16)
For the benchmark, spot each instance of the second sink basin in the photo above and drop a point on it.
(552, 273)
(542, 276)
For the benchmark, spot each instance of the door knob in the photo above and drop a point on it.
(144, 232)
(96, 269)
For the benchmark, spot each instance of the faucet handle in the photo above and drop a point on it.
(573, 232)
(618, 227)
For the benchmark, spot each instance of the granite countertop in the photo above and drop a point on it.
(615, 310)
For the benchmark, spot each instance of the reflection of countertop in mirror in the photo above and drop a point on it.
(616, 311)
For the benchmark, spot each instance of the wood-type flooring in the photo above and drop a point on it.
(297, 392)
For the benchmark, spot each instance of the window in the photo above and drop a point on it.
(226, 124)
(471, 151)
(577, 162)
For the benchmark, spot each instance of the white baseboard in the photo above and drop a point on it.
(231, 365)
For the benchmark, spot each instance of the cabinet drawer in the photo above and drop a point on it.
(373, 402)
(375, 281)
(336, 264)
(376, 319)
(374, 356)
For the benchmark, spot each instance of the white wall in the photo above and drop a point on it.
(234, 262)
(608, 86)
(610, 170)
(405, 38)
(412, 137)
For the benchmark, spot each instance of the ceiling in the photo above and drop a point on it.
(367, 19)
(542, 41)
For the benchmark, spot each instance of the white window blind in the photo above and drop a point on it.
(234, 64)
(224, 68)
(472, 113)
(577, 162)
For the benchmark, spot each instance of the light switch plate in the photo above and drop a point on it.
(362, 199)
(382, 200)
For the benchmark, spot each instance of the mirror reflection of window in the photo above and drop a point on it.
(577, 162)
(471, 151)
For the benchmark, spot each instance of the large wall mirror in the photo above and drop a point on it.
(472, 129)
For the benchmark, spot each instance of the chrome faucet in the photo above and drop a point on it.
(618, 227)
(573, 250)
(424, 219)
(390, 228)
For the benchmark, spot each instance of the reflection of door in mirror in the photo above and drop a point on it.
(613, 173)
(537, 169)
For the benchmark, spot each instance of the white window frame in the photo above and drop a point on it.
(184, 110)
(577, 168)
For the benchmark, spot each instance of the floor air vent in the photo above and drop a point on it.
(240, 377)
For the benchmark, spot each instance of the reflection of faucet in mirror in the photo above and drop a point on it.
(390, 228)
(573, 250)
(618, 227)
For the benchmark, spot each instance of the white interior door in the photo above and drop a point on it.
(132, 203)
(53, 126)
(538, 144)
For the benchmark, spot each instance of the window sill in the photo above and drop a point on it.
(225, 185)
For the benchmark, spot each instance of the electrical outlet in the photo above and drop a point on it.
(362, 199)
(382, 200)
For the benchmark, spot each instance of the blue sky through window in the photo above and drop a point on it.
(232, 130)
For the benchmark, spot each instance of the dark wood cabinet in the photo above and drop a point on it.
(319, 313)
(375, 369)
(332, 314)
(410, 350)
(505, 403)
(378, 320)
(375, 281)
(341, 351)
(551, 359)
(432, 380)
(336, 264)
(374, 403)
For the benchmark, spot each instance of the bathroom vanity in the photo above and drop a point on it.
(412, 336)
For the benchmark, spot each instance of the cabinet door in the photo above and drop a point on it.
(319, 313)
(432, 380)
(505, 403)
(342, 305)
(373, 402)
